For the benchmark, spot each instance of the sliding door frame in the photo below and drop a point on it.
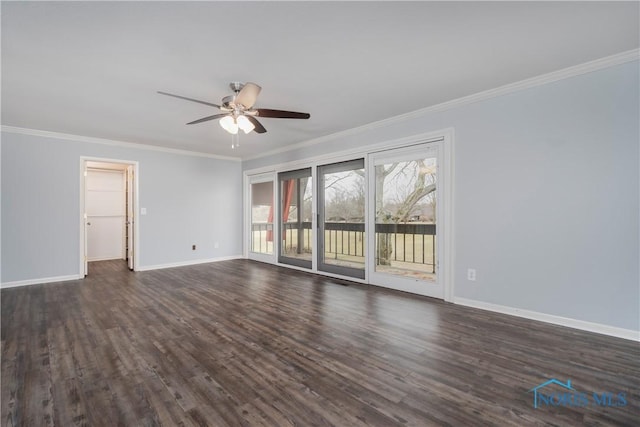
(399, 281)
(445, 136)
(322, 266)
(297, 174)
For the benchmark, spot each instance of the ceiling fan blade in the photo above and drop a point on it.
(206, 119)
(190, 99)
(280, 114)
(248, 95)
(258, 126)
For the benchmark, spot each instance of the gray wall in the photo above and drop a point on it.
(189, 200)
(546, 194)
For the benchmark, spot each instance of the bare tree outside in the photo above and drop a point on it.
(344, 196)
(405, 192)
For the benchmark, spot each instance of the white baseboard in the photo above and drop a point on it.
(185, 263)
(142, 268)
(40, 281)
(628, 334)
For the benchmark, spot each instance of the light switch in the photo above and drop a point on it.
(143, 211)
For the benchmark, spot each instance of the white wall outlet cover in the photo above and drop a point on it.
(143, 211)
(471, 274)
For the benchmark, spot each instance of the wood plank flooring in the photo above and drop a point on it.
(240, 343)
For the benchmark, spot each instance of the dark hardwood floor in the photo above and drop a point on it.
(240, 343)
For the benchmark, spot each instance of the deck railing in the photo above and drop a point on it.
(262, 234)
(409, 242)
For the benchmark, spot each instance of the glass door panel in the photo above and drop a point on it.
(341, 208)
(404, 186)
(262, 218)
(296, 192)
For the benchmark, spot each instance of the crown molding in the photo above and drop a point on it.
(92, 140)
(576, 70)
(565, 73)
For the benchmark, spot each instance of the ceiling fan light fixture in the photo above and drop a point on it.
(245, 124)
(229, 124)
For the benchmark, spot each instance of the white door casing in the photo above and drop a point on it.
(130, 211)
(135, 229)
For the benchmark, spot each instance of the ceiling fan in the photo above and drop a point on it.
(238, 112)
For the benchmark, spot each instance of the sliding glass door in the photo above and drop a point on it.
(405, 211)
(381, 219)
(296, 218)
(341, 215)
(261, 242)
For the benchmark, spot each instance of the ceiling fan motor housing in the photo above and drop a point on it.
(236, 86)
(229, 102)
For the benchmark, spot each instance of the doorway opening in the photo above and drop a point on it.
(108, 220)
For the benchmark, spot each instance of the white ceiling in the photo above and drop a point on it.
(93, 69)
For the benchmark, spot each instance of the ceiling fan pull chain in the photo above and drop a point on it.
(235, 140)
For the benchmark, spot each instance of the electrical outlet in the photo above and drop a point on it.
(216, 245)
(193, 247)
(471, 274)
